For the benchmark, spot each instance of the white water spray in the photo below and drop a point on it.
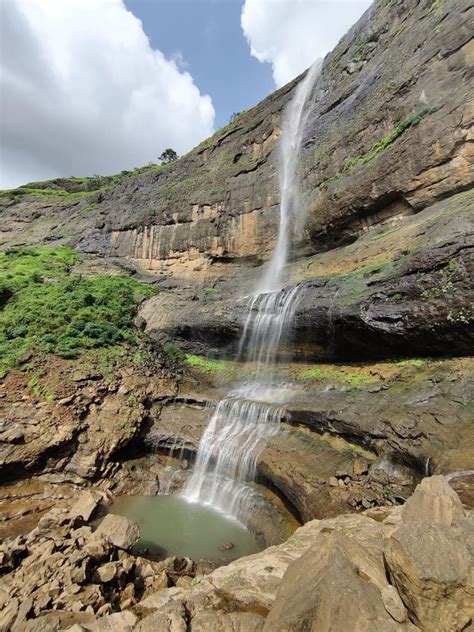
(227, 454)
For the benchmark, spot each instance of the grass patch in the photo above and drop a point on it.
(386, 141)
(41, 391)
(324, 374)
(201, 363)
(46, 308)
(416, 362)
(204, 364)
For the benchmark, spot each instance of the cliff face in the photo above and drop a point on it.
(389, 135)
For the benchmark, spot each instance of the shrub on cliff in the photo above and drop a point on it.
(47, 308)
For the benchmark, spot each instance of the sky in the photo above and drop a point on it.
(97, 86)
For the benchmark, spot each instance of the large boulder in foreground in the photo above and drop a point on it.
(431, 565)
(336, 582)
(430, 558)
(433, 502)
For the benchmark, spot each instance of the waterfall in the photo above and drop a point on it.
(228, 451)
(294, 122)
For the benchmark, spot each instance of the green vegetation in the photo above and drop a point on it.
(416, 362)
(42, 391)
(184, 185)
(17, 194)
(445, 285)
(46, 308)
(194, 361)
(205, 364)
(211, 290)
(361, 46)
(174, 352)
(75, 188)
(131, 401)
(463, 315)
(167, 156)
(321, 374)
(383, 143)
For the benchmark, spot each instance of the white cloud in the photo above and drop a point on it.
(82, 92)
(292, 34)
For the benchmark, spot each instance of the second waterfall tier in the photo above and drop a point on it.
(228, 452)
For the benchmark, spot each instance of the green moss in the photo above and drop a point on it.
(386, 141)
(416, 362)
(47, 308)
(211, 290)
(322, 374)
(204, 364)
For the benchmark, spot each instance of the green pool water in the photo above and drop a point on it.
(170, 525)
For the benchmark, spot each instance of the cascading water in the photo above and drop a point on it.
(228, 451)
(290, 145)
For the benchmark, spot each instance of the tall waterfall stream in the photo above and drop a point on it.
(227, 454)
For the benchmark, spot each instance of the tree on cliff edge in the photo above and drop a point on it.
(168, 155)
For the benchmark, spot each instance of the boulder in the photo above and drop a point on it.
(116, 622)
(107, 572)
(433, 502)
(173, 617)
(432, 568)
(122, 532)
(86, 505)
(224, 622)
(335, 582)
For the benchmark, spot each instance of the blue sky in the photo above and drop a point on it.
(98, 86)
(208, 35)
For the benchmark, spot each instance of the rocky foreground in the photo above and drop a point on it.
(390, 568)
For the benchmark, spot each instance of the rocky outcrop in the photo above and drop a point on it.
(430, 558)
(352, 437)
(342, 582)
(374, 570)
(398, 290)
